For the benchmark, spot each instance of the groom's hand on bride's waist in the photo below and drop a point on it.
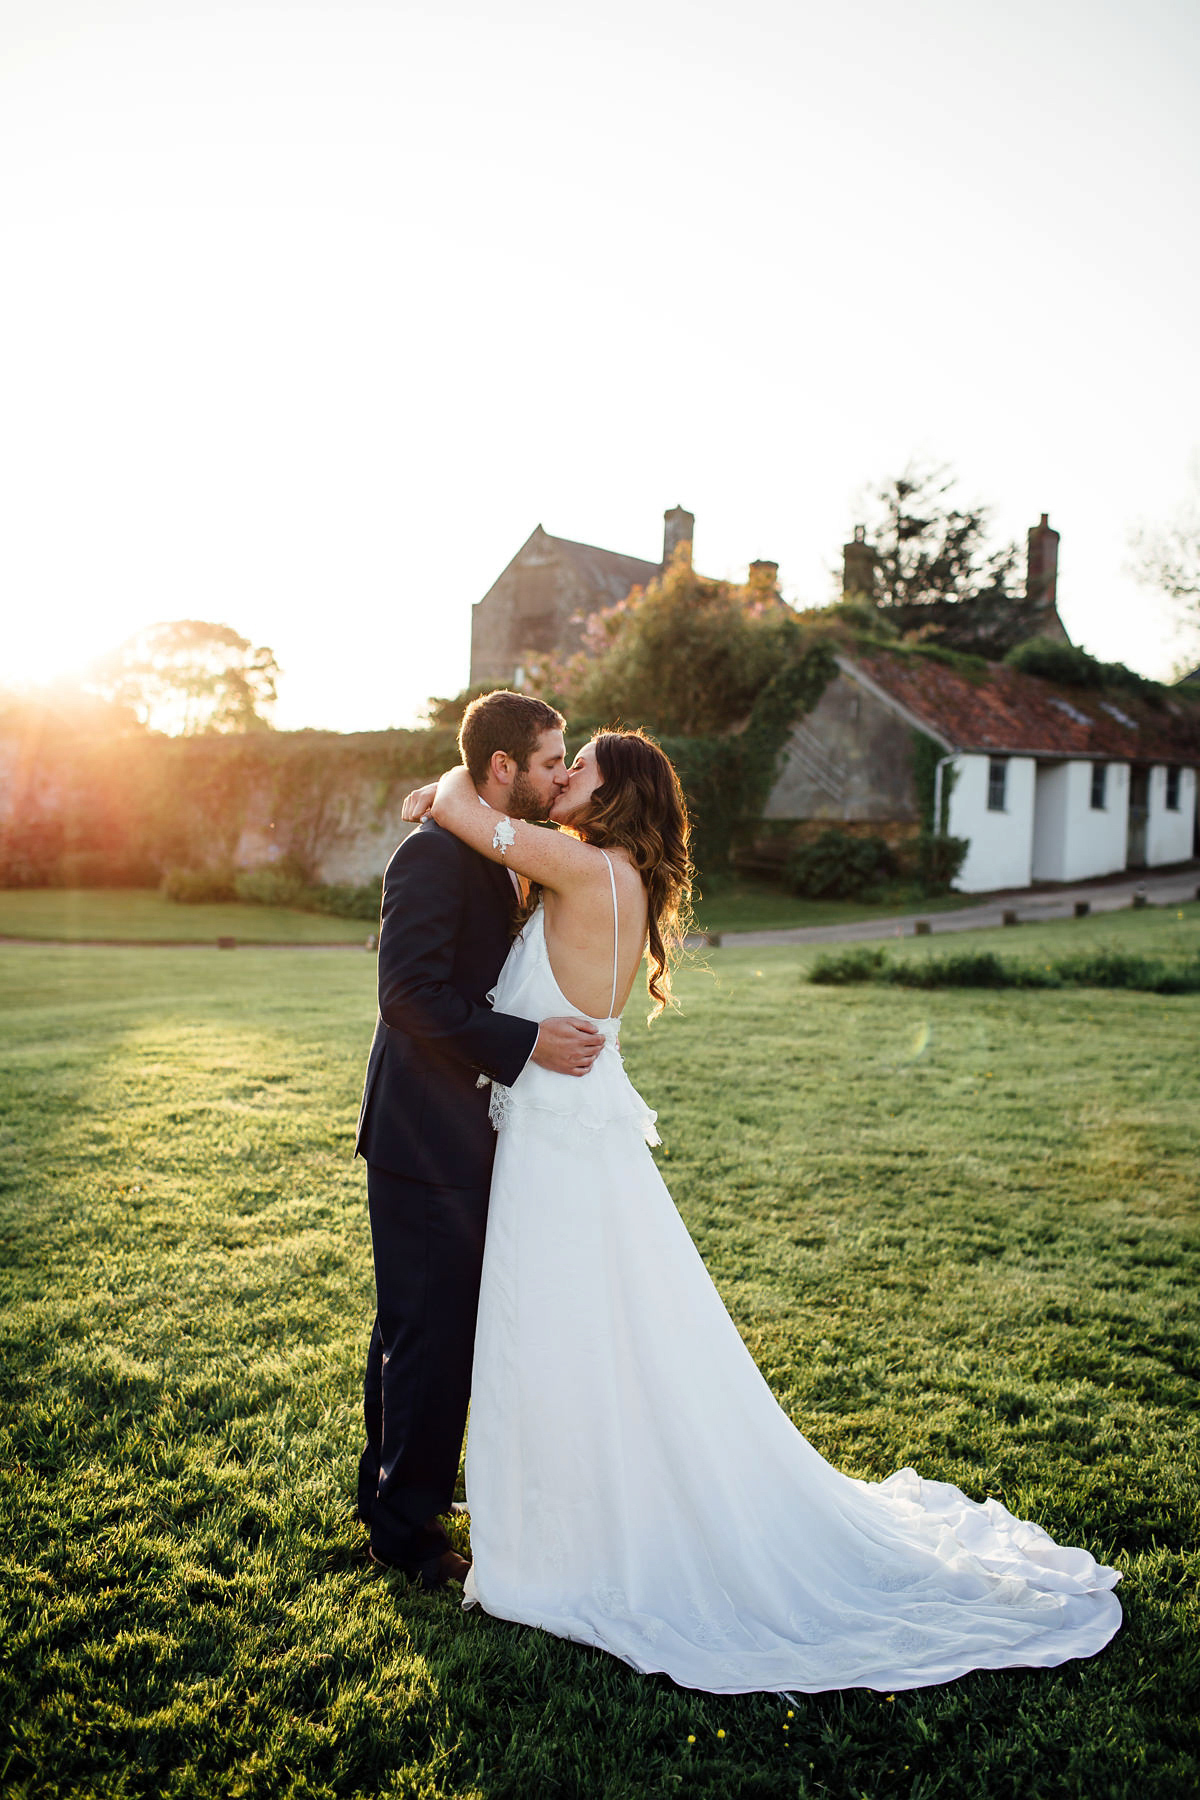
(567, 1046)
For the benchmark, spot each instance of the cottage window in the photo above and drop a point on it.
(1173, 790)
(997, 782)
(1099, 786)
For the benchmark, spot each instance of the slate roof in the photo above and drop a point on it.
(604, 570)
(1002, 711)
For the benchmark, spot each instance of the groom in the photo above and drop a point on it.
(423, 1128)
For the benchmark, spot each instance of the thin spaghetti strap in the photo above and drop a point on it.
(612, 880)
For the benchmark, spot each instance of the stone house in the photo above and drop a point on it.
(1046, 782)
(539, 604)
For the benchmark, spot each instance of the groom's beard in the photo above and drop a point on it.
(524, 802)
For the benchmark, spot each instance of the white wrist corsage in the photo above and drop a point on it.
(504, 835)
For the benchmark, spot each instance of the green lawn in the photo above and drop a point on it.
(728, 903)
(742, 903)
(141, 915)
(957, 1229)
(1169, 932)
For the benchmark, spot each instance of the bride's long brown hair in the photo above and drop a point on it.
(639, 807)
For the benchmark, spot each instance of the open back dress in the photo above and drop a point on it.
(633, 1483)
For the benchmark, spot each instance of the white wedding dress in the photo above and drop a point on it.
(631, 1480)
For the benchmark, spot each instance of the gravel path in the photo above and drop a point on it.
(1029, 905)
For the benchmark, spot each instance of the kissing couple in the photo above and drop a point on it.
(632, 1483)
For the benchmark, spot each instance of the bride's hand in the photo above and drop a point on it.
(417, 804)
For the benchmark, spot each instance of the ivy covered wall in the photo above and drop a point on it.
(82, 810)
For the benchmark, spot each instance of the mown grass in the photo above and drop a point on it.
(957, 1230)
(746, 903)
(142, 915)
(726, 903)
(1170, 934)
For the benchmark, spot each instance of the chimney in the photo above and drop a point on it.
(858, 566)
(1041, 579)
(764, 576)
(678, 527)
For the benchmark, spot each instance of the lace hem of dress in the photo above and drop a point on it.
(505, 1108)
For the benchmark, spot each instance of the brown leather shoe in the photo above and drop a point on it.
(449, 1566)
(435, 1572)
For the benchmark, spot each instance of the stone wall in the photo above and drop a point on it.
(356, 848)
(850, 760)
(330, 803)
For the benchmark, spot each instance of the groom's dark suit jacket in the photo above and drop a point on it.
(444, 934)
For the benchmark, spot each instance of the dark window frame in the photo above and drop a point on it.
(997, 789)
(1174, 783)
(1099, 798)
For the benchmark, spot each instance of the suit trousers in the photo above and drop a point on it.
(427, 1244)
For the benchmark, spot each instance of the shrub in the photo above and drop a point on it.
(275, 884)
(969, 968)
(843, 967)
(1123, 969)
(686, 656)
(104, 868)
(347, 902)
(838, 866)
(199, 887)
(29, 852)
(282, 884)
(710, 773)
(938, 861)
(1071, 666)
(983, 968)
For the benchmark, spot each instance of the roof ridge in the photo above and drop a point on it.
(599, 549)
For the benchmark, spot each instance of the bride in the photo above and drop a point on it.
(631, 1480)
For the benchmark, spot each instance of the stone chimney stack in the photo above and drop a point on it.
(764, 576)
(678, 527)
(1041, 579)
(858, 566)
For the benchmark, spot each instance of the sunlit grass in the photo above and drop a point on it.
(134, 915)
(958, 1230)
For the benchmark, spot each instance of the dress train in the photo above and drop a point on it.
(633, 1483)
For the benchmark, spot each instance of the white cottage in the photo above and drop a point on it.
(1046, 782)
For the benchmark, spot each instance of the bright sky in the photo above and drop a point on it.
(312, 309)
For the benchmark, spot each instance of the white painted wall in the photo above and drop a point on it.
(1097, 840)
(1053, 798)
(1169, 834)
(1071, 841)
(1001, 852)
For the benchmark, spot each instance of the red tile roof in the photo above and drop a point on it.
(999, 709)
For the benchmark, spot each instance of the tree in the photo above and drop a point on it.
(1167, 557)
(928, 550)
(190, 675)
(684, 656)
(444, 712)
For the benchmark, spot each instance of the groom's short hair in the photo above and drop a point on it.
(503, 721)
